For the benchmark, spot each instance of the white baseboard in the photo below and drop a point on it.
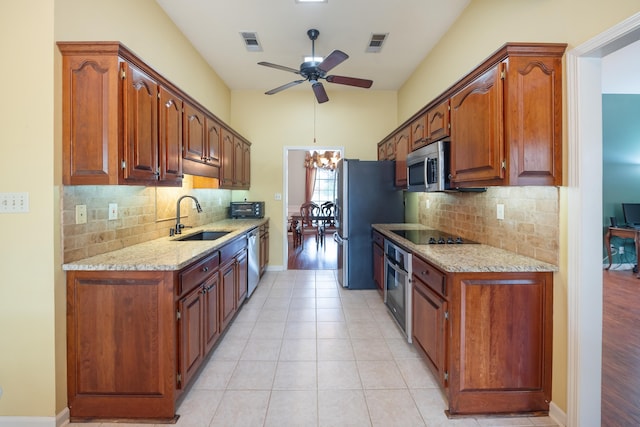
(557, 414)
(59, 420)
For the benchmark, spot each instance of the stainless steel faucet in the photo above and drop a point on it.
(180, 226)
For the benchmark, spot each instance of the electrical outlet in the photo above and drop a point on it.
(278, 196)
(500, 211)
(427, 204)
(113, 211)
(621, 250)
(219, 201)
(81, 214)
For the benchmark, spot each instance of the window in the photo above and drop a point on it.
(323, 190)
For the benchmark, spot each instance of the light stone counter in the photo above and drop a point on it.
(472, 258)
(166, 253)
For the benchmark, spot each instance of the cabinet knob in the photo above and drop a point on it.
(205, 269)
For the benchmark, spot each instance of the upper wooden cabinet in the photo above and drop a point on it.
(477, 147)
(437, 122)
(507, 120)
(401, 142)
(504, 119)
(236, 161)
(202, 135)
(123, 123)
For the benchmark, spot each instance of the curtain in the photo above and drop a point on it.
(310, 183)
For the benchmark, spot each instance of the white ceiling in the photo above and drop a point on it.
(214, 26)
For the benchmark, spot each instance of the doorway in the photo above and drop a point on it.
(305, 254)
(584, 219)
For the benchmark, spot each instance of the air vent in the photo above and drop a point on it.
(251, 41)
(376, 42)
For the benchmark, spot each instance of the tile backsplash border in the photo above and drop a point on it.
(531, 218)
(144, 213)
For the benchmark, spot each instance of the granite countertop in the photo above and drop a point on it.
(471, 258)
(165, 253)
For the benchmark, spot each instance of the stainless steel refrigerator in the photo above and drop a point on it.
(365, 195)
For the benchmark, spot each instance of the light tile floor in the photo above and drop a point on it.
(302, 351)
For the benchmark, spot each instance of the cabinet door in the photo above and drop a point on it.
(170, 137)
(418, 133)
(378, 267)
(214, 137)
(228, 164)
(140, 145)
(477, 137)
(90, 107)
(211, 321)
(246, 165)
(194, 133)
(238, 163)
(264, 248)
(228, 294)
(533, 121)
(429, 328)
(191, 309)
(242, 264)
(402, 148)
(438, 122)
(382, 151)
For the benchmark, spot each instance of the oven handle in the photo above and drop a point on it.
(396, 268)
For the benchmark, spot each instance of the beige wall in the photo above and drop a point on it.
(29, 242)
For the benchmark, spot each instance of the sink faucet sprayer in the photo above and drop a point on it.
(180, 226)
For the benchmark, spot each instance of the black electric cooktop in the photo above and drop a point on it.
(431, 237)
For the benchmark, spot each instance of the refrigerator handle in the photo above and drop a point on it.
(337, 238)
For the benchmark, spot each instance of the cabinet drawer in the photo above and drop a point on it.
(194, 275)
(230, 250)
(430, 276)
(378, 238)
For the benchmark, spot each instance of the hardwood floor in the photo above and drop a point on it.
(306, 257)
(621, 349)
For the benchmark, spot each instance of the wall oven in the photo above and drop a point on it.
(397, 285)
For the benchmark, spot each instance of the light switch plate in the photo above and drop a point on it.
(500, 211)
(113, 211)
(14, 202)
(278, 196)
(81, 214)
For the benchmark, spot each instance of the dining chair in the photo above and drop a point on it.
(309, 223)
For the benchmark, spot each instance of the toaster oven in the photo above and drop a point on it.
(247, 209)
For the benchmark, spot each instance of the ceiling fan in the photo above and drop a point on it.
(313, 71)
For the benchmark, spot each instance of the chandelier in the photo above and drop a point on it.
(322, 159)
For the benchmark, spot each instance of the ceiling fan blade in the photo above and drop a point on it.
(321, 94)
(283, 87)
(279, 67)
(350, 81)
(335, 58)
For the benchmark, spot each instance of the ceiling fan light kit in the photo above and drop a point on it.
(314, 71)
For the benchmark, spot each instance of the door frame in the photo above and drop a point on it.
(584, 219)
(285, 192)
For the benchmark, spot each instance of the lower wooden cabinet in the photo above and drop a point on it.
(486, 336)
(264, 248)
(121, 344)
(136, 339)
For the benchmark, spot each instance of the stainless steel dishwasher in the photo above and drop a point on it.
(253, 275)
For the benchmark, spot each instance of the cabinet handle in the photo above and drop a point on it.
(205, 269)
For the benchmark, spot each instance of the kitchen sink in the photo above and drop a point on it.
(203, 235)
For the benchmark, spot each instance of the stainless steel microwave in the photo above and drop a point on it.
(247, 209)
(428, 168)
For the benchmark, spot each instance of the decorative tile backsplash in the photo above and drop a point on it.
(530, 226)
(144, 213)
